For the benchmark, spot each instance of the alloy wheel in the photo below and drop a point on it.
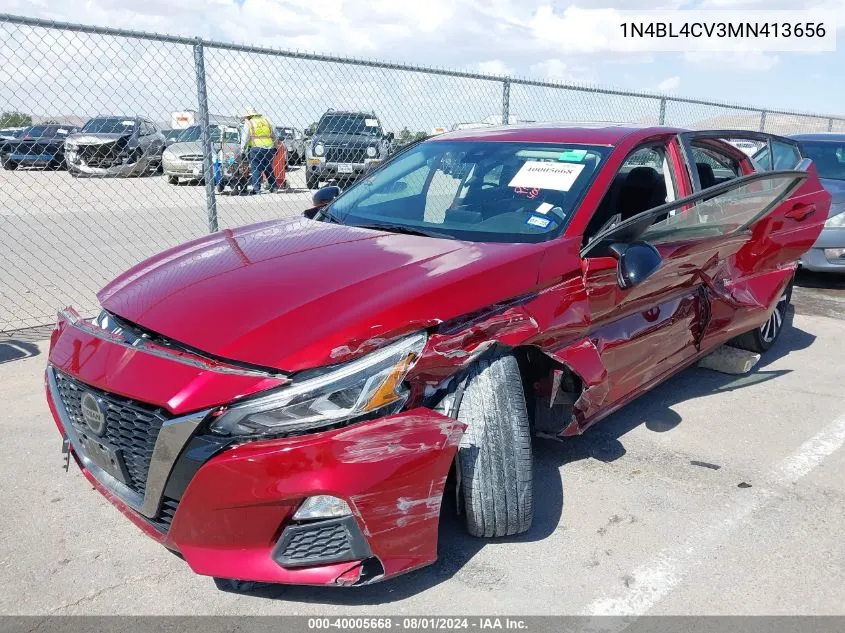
(771, 328)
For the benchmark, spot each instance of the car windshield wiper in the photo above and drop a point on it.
(408, 230)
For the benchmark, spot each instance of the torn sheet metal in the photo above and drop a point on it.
(584, 359)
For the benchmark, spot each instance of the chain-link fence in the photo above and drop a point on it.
(117, 144)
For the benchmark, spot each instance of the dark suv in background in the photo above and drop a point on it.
(344, 146)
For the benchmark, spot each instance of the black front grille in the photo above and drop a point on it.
(345, 154)
(165, 515)
(132, 428)
(105, 155)
(321, 542)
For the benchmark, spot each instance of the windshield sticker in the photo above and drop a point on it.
(544, 208)
(128, 123)
(531, 192)
(536, 220)
(546, 175)
(572, 155)
(61, 131)
(371, 122)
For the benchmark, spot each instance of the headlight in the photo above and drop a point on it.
(372, 152)
(319, 149)
(836, 221)
(371, 384)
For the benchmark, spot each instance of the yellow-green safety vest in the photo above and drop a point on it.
(260, 132)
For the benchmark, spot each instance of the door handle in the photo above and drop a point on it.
(801, 211)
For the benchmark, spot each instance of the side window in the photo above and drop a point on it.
(725, 213)
(786, 156)
(644, 181)
(714, 167)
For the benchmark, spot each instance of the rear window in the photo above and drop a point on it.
(480, 191)
(828, 156)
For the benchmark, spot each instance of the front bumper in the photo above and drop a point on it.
(77, 163)
(228, 509)
(816, 260)
(182, 168)
(333, 171)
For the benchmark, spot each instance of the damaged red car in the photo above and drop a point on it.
(285, 402)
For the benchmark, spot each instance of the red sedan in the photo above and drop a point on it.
(285, 402)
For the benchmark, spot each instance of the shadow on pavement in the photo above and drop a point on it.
(602, 442)
(13, 349)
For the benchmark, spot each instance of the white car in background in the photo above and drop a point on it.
(748, 147)
(183, 159)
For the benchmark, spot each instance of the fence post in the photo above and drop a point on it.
(762, 120)
(506, 101)
(662, 119)
(830, 125)
(207, 166)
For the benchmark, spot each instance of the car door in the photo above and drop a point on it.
(791, 228)
(641, 331)
(766, 262)
(647, 331)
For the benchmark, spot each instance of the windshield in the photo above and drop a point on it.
(828, 156)
(349, 124)
(109, 125)
(478, 191)
(194, 133)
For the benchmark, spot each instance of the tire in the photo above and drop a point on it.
(494, 458)
(173, 180)
(9, 164)
(760, 340)
(312, 182)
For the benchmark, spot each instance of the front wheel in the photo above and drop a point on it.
(9, 164)
(312, 181)
(763, 338)
(494, 458)
(173, 180)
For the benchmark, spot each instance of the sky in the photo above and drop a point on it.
(527, 38)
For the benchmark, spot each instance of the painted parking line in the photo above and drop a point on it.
(653, 581)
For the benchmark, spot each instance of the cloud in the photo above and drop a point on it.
(493, 67)
(670, 84)
(732, 62)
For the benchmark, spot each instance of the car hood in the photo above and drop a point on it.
(294, 294)
(836, 188)
(95, 139)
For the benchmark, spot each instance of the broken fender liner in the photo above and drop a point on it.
(391, 471)
(583, 358)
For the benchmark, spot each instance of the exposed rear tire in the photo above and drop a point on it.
(762, 339)
(495, 461)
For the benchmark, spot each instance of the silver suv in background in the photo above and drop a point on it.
(183, 159)
(115, 146)
(345, 145)
(294, 142)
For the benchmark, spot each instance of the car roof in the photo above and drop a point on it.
(819, 136)
(600, 134)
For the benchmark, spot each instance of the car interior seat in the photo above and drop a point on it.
(705, 175)
(643, 189)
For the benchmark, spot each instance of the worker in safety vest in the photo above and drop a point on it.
(258, 144)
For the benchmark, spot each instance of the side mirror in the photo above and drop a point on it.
(325, 195)
(637, 261)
